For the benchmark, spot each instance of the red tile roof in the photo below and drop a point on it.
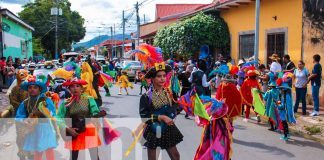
(163, 10)
(114, 42)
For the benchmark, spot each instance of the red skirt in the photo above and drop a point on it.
(85, 140)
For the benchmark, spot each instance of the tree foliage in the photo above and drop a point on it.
(70, 24)
(186, 37)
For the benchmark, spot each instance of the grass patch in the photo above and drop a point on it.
(313, 129)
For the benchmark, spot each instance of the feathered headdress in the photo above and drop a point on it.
(148, 54)
(152, 58)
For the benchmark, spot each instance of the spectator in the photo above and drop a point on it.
(288, 65)
(17, 64)
(9, 73)
(301, 74)
(275, 65)
(10, 58)
(118, 64)
(111, 66)
(2, 69)
(315, 79)
(30, 60)
(24, 61)
(219, 60)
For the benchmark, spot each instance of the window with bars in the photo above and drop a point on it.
(276, 44)
(246, 46)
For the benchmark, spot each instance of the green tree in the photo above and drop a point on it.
(37, 46)
(70, 24)
(187, 36)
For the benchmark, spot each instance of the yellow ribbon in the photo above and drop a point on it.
(142, 126)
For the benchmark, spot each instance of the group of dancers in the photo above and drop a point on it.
(42, 104)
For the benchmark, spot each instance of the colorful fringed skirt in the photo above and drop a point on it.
(43, 137)
(85, 140)
(170, 137)
(216, 141)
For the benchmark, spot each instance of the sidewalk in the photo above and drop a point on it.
(310, 127)
(307, 126)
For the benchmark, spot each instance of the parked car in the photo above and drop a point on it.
(38, 59)
(134, 68)
(101, 59)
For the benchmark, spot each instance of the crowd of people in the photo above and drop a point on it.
(42, 104)
(8, 67)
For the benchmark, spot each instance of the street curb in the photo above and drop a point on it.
(293, 130)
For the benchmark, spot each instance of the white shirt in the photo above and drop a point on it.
(117, 64)
(275, 67)
(301, 77)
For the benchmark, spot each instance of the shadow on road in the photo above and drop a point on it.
(303, 143)
(240, 127)
(273, 149)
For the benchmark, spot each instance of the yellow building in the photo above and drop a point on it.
(280, 28)
(293, 27)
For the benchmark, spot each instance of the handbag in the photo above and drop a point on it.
(167, 111)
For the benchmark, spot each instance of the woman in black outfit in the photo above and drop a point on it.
(158, 111)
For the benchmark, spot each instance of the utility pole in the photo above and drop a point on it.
(144, 19)
(56, 36)
(111, 40)
(257, 23)
(114, 48)
(138, 22)
(123, 46)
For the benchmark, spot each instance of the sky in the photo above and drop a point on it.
(100, 15)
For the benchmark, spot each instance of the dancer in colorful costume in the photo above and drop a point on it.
(16, 96)
(87, 76)
(144, 83)
(285, 106)
(124, 83)
(83, 132)
(248, 84)
(229, 92)
(41, 137)
(156, 107)
(270, 98)
(217, 134)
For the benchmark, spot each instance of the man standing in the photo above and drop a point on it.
(288, 65)
(315, 79)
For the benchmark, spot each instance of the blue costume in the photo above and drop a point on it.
(43, 136)
(271, 97)
(285, 108)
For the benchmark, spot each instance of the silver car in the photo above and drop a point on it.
(134, 68)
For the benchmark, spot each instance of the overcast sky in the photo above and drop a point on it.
(105, 13)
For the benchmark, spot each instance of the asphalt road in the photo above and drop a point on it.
(251, 140)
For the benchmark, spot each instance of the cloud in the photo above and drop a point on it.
(106, 13)
(97, 3)
(22, 2)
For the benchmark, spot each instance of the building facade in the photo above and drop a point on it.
(16, 36)
(293, 27)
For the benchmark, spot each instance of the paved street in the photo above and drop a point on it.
(251, 141)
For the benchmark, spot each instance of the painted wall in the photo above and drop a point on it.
(289, 16)
(13, 39)
(313, 35)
